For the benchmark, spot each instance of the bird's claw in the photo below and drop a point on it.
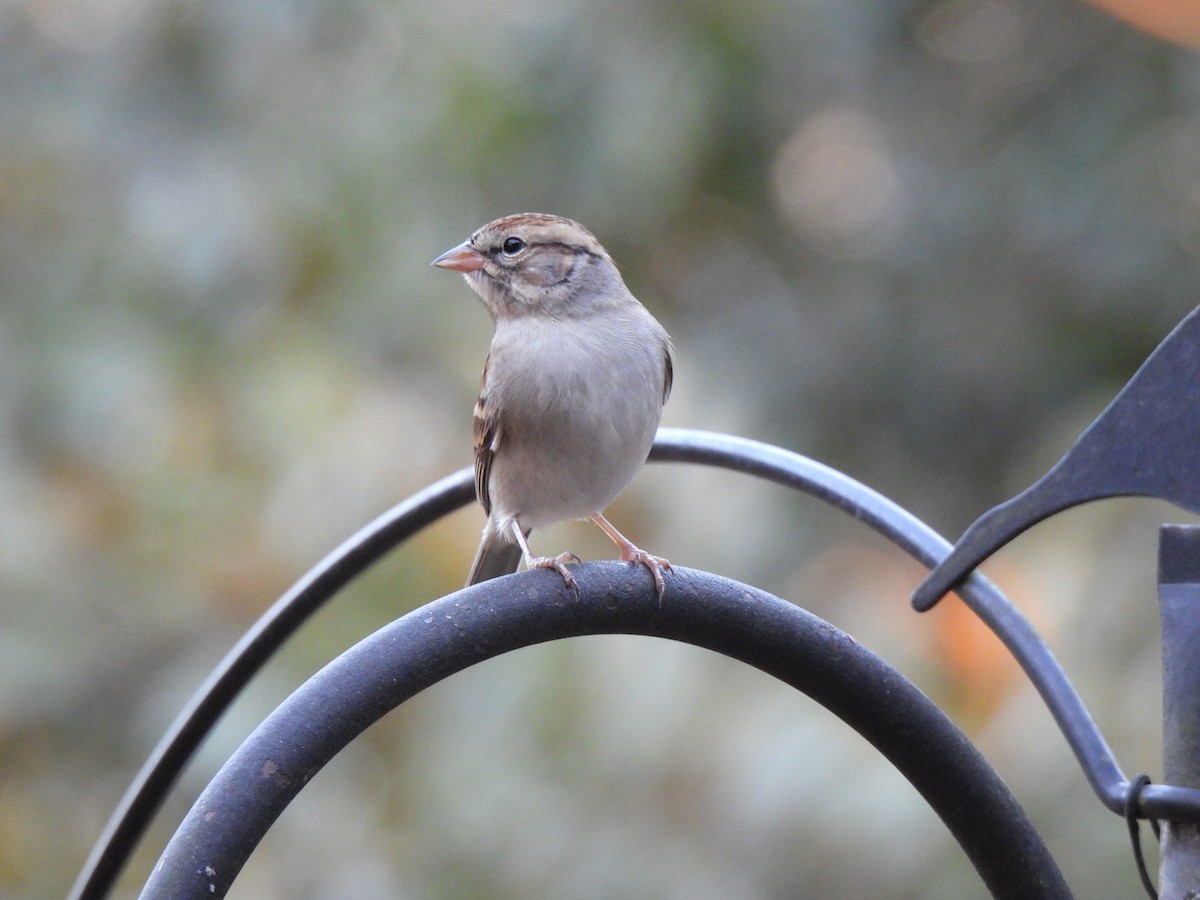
(558, 564)
(656, 565)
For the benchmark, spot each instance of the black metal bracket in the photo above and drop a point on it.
(1143, 444)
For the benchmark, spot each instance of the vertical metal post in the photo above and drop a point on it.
(1179, 600)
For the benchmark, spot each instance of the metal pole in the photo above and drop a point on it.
(1179, 599)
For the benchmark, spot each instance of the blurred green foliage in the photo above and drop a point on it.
(924, 242)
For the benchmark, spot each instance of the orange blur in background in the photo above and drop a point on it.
(1172, 20)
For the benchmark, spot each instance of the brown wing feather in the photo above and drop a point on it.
(668, 371)
(483, 439)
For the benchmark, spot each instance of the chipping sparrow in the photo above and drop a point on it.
(573, 387)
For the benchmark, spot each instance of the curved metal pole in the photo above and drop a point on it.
(160, 771)
(484, 621)
(927, 547)
(980, 595)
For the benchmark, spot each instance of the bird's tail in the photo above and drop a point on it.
(494, 558)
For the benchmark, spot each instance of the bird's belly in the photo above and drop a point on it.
(568, 463)
(580, 406)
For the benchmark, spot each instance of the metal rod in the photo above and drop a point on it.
(982, 597)
(1179, 602)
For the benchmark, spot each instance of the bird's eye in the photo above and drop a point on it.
(512, 246)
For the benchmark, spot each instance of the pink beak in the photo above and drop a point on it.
(463, 258)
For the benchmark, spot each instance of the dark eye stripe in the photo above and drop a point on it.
(575, 249)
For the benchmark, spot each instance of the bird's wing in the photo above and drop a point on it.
(485, 439)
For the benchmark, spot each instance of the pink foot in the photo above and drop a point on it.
(655, 564)
(557, 563)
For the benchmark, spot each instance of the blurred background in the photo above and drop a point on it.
(922, 242)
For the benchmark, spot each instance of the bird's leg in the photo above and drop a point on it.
(557, 563)
(631, 553)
